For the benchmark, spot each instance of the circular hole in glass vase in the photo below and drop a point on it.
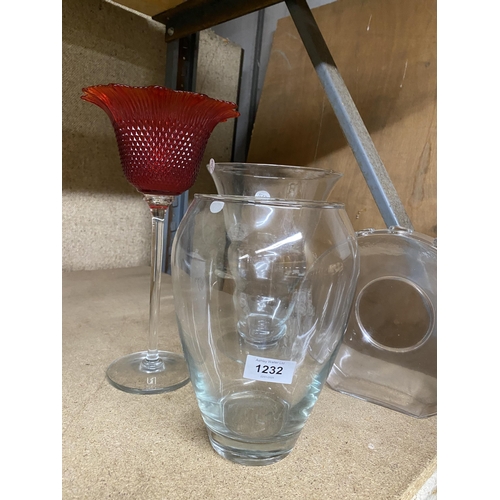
(394, 314)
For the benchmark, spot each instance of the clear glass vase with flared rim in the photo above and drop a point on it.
(273, 180)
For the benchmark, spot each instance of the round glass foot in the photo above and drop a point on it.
(251, 453)
(134, 373)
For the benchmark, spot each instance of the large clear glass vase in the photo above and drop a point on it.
(262, 290)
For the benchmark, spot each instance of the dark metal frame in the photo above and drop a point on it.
(196, 15)
(190, 17)
(182, 58)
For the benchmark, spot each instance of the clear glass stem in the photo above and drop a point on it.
(158, 206)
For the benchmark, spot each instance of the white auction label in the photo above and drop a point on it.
(216, 206)
(262, 194)
(270, 370)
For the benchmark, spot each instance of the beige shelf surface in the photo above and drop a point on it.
(124, 446)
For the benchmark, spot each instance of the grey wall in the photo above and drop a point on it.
(105, 222)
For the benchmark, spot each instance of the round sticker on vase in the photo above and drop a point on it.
(216, 206)
(262, 194)
(211, 165)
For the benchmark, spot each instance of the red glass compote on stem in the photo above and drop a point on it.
(161, 135)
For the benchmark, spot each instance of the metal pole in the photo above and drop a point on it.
(182, 59)
(376, 176)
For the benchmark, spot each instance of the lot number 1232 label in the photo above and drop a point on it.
(268, 369)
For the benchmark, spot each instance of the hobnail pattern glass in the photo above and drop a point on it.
(161, 135)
